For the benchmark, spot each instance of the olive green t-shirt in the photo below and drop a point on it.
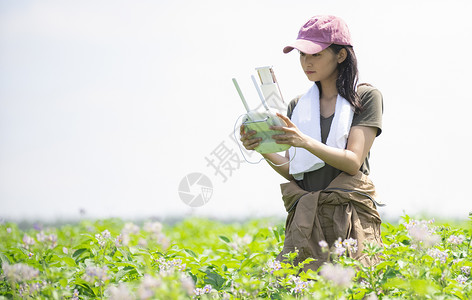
(371, 116)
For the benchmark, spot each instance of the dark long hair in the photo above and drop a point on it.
(347, 76)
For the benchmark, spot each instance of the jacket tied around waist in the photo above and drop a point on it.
(345, 209)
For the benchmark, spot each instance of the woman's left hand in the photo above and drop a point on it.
(292, 135)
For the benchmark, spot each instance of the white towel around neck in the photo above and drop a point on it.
(306, 116)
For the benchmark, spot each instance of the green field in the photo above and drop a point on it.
(207, 259)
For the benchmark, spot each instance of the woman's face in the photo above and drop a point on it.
(321, 66)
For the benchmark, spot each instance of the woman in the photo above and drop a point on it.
(332, 127)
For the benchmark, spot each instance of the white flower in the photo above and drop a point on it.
(350, 244)
(372, 296)
(198, 292)
(19, 272)
(119, 293)
(119, 241)
(337, 274)
(272, 266)
(456, 240)
(93, 274)
(75, 295)
(465, 270)
(240, 242)
(52, 238)
(100, 240)
(171, 266)
(421, 233)
(205, 290)
(106, 234)
(147, 286)
(153, 227)
(143, 243)
(456, 260)
(461, 279)
(130, 228)
(40, 236)
(323, 244)
(438, 254)
(28, 241)
(187, 284)
(338, 247)
(300, 285)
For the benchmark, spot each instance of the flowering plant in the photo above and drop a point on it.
(204, 259)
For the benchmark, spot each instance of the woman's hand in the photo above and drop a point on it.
(247, 138)
(292, 135)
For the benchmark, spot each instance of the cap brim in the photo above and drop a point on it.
(307, 47)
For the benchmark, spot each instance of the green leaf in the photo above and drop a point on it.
(214, 279)
(63, 282)
(68, 261)
(4, 258)
(276, 234)
(79, 252)
(87, 290)
(191, 253)
(249, 260)
(224, 238)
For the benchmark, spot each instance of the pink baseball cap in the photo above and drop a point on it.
(319, 33)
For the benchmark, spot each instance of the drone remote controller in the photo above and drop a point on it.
(261, 121)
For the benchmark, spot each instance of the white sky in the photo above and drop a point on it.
(107, 105)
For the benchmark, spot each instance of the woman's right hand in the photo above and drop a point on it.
(249, 142)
